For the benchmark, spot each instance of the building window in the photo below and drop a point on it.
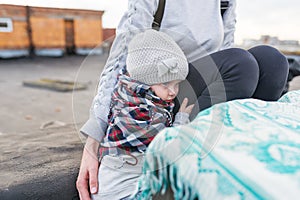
(6, 25)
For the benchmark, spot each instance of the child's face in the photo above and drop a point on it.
(166, 91)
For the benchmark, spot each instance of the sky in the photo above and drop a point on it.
(279, 18)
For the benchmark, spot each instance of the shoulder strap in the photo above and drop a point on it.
(159, 15)
(224, 7)
(161, 8)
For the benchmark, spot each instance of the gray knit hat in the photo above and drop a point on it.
(154, 57)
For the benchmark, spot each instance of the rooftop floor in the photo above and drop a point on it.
(38, 163)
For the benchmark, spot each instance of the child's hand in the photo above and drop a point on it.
(185, 108)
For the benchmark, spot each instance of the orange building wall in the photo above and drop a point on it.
(48, 27)
(109, 33)
(12, 11)
(47, 32)
(88, 33)
(17, 39)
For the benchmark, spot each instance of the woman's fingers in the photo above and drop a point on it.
(93, 175)
(88, 173)
(82, 184)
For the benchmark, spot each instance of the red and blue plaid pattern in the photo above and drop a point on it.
(136, 116)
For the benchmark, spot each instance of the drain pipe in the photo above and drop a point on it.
(29, 32)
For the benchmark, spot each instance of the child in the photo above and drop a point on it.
(142, 104)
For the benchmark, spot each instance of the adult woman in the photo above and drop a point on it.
(218, 72)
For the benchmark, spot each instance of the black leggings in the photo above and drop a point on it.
(261, 72)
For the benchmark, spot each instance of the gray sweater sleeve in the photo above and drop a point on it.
(229, 21)
(97, 123)
(94, 128)
(181, 118)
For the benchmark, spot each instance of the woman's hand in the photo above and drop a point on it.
(185, 108)
(88, 173)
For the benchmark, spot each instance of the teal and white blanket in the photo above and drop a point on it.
(243, 149)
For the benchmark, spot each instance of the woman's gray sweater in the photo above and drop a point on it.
(196, 25)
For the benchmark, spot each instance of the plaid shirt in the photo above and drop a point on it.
(136, 116)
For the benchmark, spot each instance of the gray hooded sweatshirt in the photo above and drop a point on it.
(196, 25)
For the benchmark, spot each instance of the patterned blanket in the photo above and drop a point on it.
(243, 149)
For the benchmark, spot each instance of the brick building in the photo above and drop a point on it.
(28, 30)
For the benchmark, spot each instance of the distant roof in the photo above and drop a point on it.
(55, 9)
